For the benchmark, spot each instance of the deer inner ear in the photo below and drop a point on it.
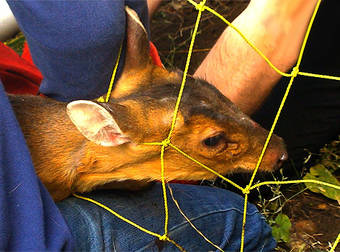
(95, 123)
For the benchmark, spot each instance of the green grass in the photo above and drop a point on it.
(16, 43)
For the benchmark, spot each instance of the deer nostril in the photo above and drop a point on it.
(282, 159)
(284, 156)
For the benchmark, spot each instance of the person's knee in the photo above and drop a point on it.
(216, 213)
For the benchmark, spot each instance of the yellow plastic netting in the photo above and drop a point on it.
(166, 143)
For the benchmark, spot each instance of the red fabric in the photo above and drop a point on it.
(155, 56)
(18, 75)
(26, 54)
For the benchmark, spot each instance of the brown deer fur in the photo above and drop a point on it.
(79, 146)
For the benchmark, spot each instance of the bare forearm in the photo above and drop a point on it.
(152, 6)
(277, 28)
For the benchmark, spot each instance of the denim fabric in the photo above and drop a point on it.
(29, 219)
(75, 43)
(215, 212)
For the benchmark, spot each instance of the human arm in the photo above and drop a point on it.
(152, 6)
(275, 27)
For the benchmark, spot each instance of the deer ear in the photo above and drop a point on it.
(95, 123)
(139, 72)
(137, 42)
(138, 65)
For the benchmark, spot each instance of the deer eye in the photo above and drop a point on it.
(213, 141)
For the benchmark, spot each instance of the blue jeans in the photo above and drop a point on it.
(217, 213)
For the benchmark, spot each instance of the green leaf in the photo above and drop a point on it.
(321, 173)
(281, 228)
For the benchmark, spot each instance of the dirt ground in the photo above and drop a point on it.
(315, 219)
(315, 222)
(173, 23)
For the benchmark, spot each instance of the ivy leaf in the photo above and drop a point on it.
(321, 173)
(281, 228)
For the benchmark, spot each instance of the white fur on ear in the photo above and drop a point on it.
(134, 16)
(95, 123)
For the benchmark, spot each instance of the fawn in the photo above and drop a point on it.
(82, 145)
